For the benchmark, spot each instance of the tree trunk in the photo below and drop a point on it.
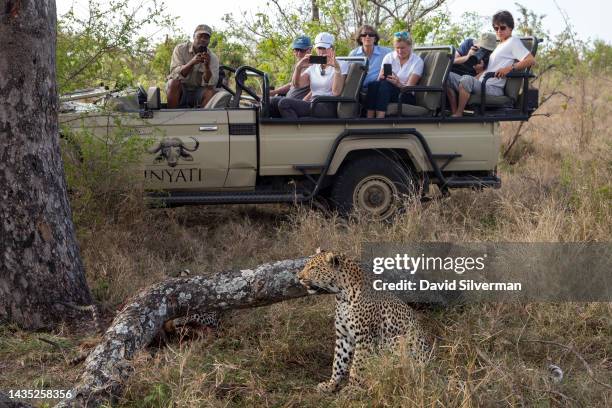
(315, 10)
(40, 263)
(107, 366)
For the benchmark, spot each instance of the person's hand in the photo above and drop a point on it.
(472, 50)
(394, 80)
(303, 63)
(197, 59)
(205, 59)
(331, 59)
(502, 72)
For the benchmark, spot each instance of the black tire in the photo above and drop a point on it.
(376, 184)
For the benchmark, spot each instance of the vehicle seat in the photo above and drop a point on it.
(437, 63)
(513, 89)
(352, 86)
(153, 98)
(220, 100)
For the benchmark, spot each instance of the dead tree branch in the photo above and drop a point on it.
(108, 365)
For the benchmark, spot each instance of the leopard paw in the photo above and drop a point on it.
(327, 387)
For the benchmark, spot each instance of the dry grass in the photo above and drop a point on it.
(558, 190)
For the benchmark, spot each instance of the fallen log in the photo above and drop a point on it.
(108, 366)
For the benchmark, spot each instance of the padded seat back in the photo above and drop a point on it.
(514, 86)
(352, 86)
(221, 99)
(436, 63)
(153, 98)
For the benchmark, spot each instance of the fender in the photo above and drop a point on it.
(410, 145)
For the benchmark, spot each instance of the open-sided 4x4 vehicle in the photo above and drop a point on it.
(232, 151)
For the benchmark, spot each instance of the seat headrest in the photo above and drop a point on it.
(153, 98)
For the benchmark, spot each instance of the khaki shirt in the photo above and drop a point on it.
(182, 54)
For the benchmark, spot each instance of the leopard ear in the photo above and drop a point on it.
(318, 250)
(332, 259)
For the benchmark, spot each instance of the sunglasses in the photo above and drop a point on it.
(371, 35)
(402, 35)
(322, 67)
(500, 28)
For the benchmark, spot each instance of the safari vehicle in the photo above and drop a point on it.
(232, 151)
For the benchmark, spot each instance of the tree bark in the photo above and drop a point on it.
(315, 10)
(107, 366)
(40, 263)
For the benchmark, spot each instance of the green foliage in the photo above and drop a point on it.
(101, 167)
(159, 396)
(104, 45)
(439, 29)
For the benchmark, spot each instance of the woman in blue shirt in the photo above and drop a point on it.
(367, 38)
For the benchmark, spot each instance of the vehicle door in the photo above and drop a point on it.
(190, 149)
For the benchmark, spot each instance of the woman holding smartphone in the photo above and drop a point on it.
(404, 68)
(325, 78)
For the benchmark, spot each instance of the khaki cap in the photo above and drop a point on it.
(203, 28)
(488, 41)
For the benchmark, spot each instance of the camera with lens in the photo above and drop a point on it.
(202, 49)
(467, 68)
(481, 54)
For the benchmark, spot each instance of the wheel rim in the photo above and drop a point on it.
(376, 195)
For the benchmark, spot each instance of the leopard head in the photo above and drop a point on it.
(320, 274)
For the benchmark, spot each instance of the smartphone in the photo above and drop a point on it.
(318, 59)
(387, 70)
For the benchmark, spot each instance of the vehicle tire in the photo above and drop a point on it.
(374, 184)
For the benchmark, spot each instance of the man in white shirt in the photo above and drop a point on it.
(510, 54)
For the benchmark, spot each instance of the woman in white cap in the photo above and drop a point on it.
(406, 68)
(323, 80)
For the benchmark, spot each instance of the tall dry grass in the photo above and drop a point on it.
(556, 188)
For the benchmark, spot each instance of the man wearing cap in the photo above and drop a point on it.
(194, 72)
(301, 46)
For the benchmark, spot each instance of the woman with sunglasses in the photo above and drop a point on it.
(407, 69)
(323, 79)
(510, 54)
(367, 38)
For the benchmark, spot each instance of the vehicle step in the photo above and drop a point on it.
(459, 182)
(239, 197)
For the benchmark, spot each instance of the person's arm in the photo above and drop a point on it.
(282, 90)
(179, 68)
(413, 79)
(211, 74)
(299, 79)
(338, 81)
(526, 62)
(459, 59)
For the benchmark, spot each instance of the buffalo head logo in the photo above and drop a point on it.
(172, 150)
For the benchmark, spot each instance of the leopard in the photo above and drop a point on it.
(366, 321)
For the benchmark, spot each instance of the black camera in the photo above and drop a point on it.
(202, 49)
(481, 54)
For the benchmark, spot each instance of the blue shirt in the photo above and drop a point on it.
(374, 62)
(465, 46)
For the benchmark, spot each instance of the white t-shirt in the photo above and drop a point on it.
(322, 84)
(503, 56)
(414, 65)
